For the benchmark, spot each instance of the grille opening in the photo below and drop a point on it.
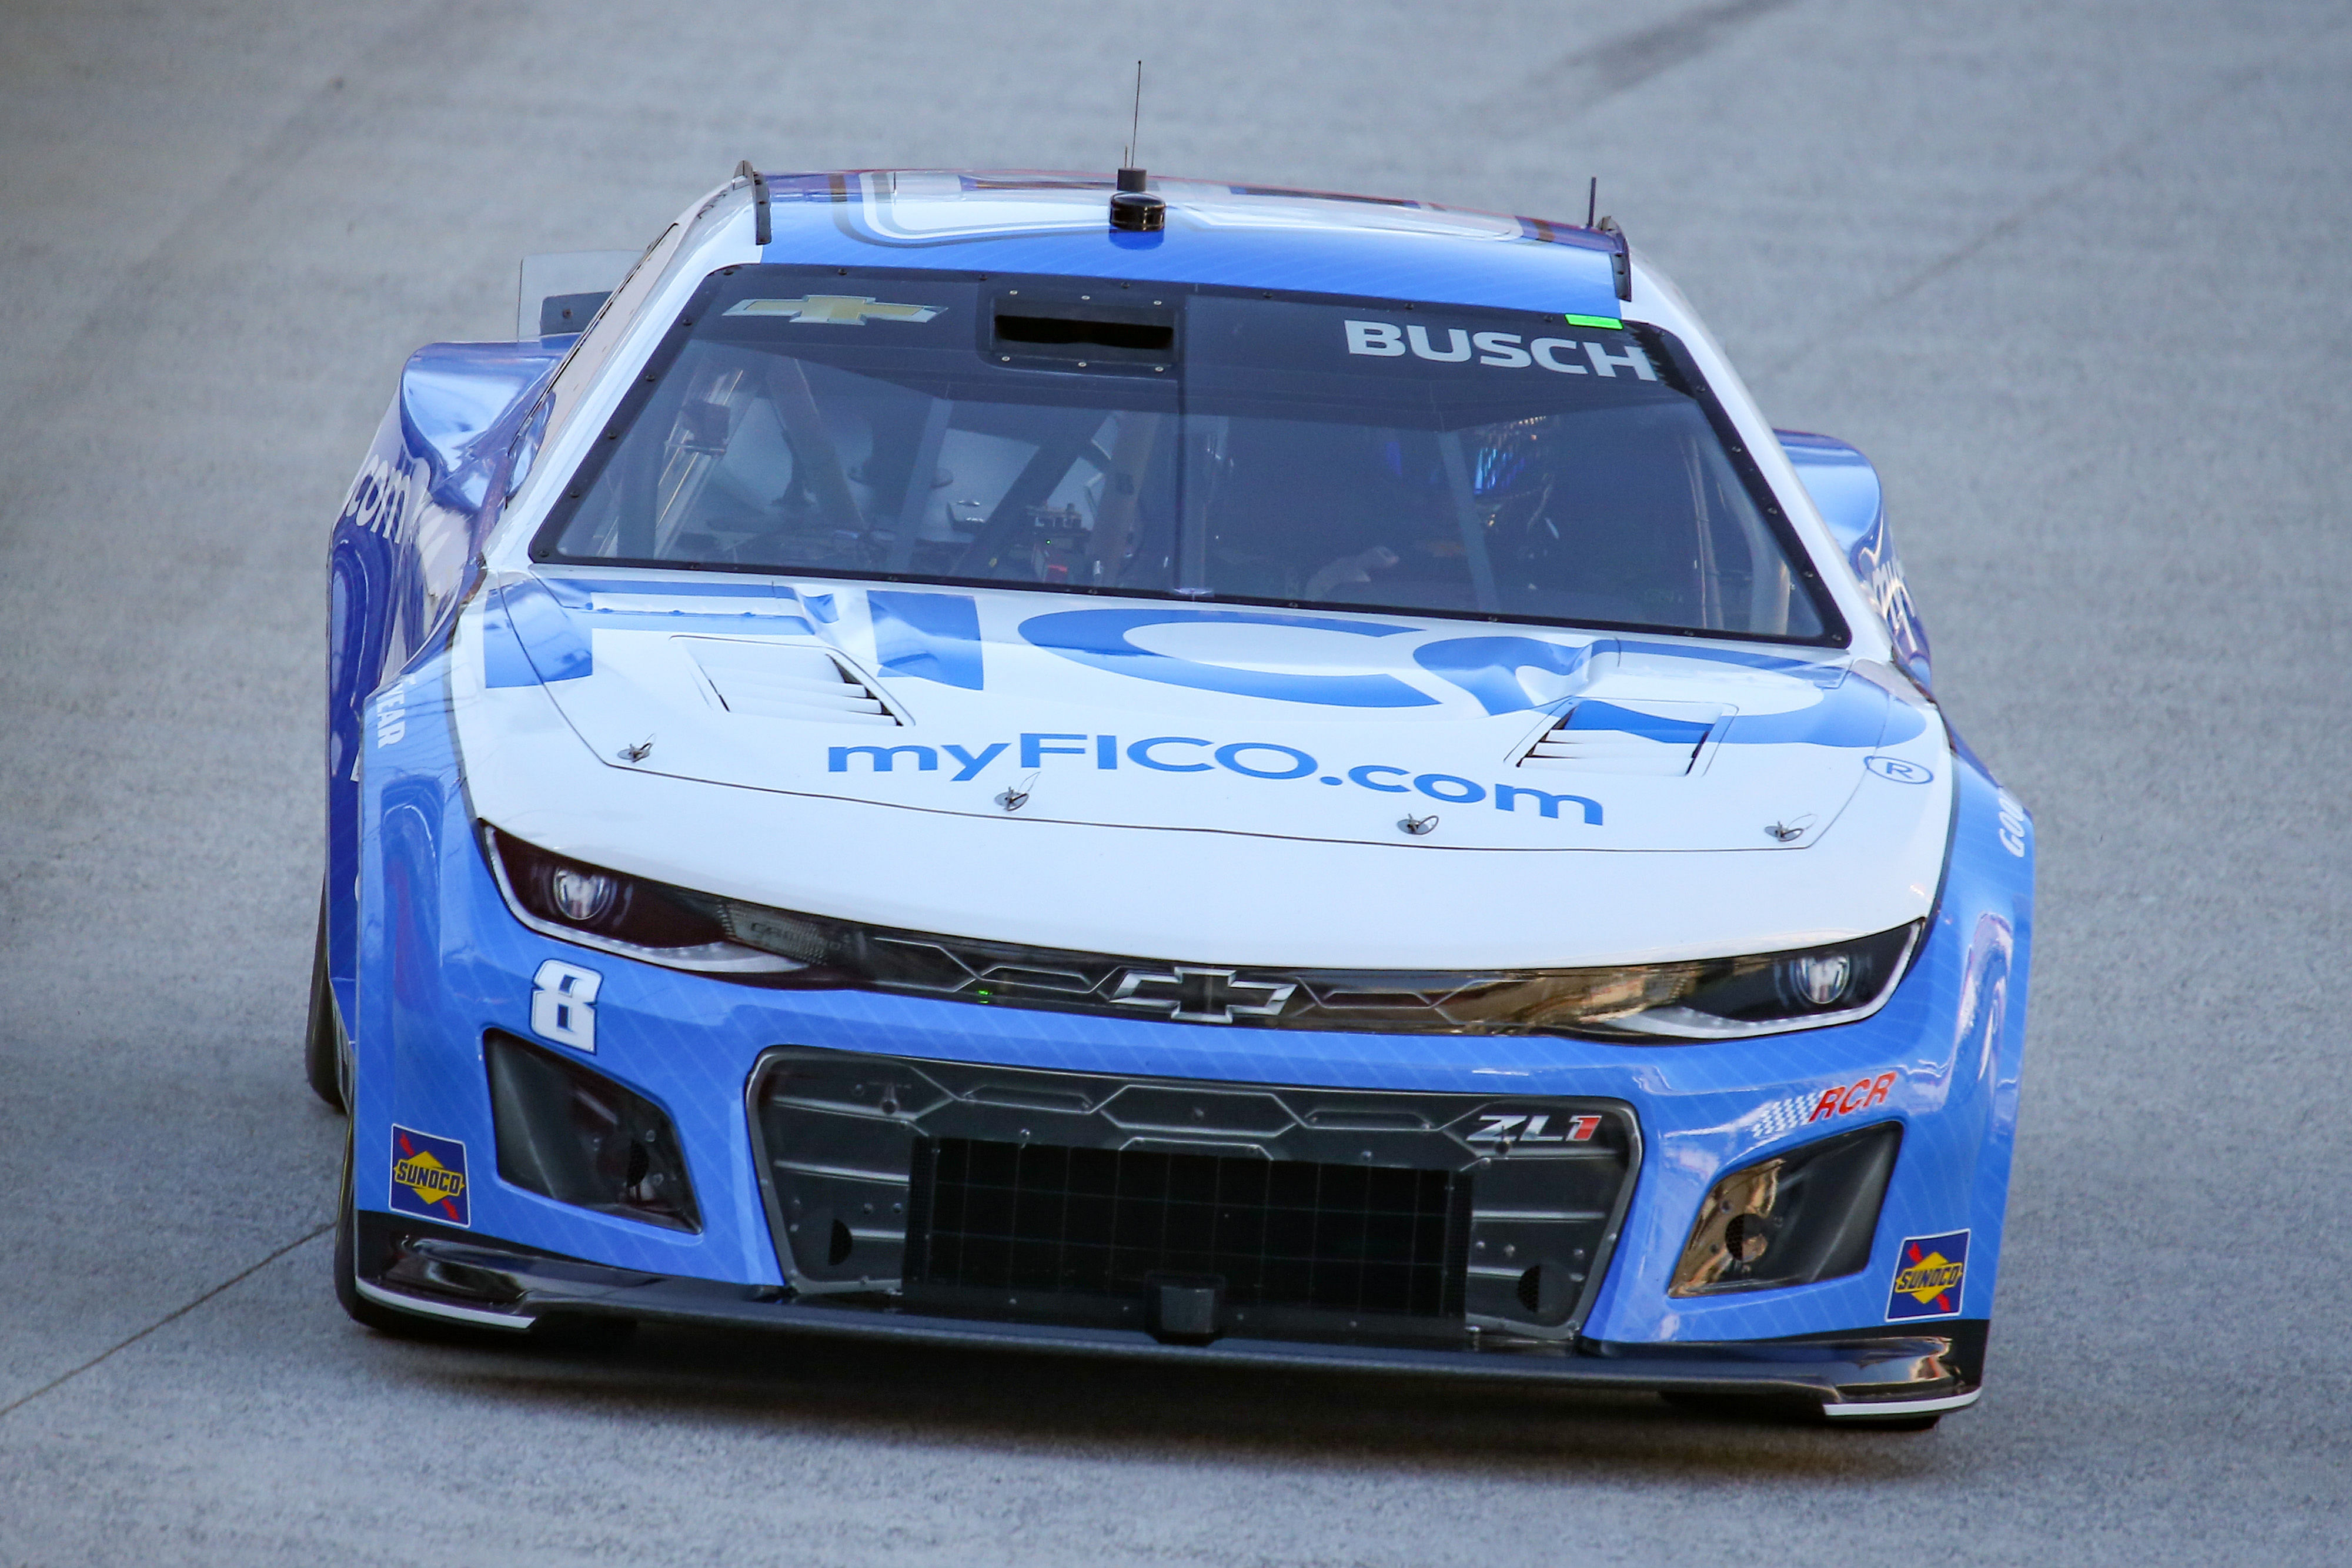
(1294, 1213)
(1150, 336)
(1104, 1222)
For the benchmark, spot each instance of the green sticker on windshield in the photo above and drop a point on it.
(1611, 323)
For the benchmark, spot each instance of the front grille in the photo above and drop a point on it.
(972, 1190)
(1349, 1238)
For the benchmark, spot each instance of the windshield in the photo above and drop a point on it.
(1181, 439)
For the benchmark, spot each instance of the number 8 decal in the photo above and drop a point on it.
(563, 1004)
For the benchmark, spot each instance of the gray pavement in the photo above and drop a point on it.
(2075, 276)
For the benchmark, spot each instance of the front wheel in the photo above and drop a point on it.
(1927, 1423)
(1764, 1410)
(583, 1334)
(323, 1053)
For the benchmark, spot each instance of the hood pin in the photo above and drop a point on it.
(1420, 827)
(1786, 831)
(638, 752)
(1014, 798)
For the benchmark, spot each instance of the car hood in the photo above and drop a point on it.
(1476, 763)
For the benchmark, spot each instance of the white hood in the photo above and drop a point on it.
(1206, 782)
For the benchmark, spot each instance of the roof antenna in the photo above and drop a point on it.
(1131, 207)
(761, 229)
(1592, 201)
(1135, 121)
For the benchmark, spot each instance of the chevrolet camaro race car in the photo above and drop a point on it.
(1237, 776)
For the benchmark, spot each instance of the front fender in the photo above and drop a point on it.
(403, 555)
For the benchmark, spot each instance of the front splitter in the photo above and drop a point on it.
(487, 1283)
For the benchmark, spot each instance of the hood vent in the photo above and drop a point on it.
(776, 680)
(1659, 739)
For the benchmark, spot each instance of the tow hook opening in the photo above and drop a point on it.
(1184, 1309)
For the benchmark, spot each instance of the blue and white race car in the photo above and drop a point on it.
(1193, 771)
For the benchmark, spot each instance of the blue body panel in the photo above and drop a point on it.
(405, 551)
(1845, 488)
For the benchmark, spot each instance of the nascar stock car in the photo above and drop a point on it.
(1195, 771)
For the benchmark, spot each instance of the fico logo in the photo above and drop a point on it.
(1193, 755)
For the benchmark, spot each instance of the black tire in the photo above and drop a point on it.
(1746, 1409)
(584, 1334)
(1753, 1410)
(587, 1334)
(1891, 1423)
(322, 1051)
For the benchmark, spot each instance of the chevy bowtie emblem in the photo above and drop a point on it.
(836, 310)
(1200, 996)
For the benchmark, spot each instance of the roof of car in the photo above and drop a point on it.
(1238, 235)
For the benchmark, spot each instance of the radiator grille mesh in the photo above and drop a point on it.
(1005, 1215)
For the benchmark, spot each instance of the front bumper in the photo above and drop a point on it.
(483, 1283)
(441, 963)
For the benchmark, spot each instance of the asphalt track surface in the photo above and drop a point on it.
(2075, 277)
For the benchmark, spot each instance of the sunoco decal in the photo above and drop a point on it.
(428, 1176)
(1928, 1275)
